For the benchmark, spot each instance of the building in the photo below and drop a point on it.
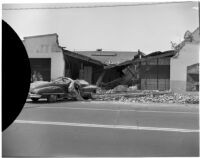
(78, 66)
(46, 56)
(109, 59)
(154, 71)
(148, 72)
(52, 61)
(184, 73)
(119, 73)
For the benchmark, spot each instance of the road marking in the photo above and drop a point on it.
(105, 126)
(98, 109)
(72, 108)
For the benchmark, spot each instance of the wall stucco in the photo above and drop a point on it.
(187, 56)
(46, 47)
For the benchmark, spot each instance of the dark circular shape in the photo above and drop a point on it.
(52, 98)
(15, 75)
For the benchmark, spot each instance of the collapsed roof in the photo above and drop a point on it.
(109, 57)
(143, 57)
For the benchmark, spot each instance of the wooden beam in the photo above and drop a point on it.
(130, 71)
(100, 78)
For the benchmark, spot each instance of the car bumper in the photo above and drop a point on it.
(34, 96)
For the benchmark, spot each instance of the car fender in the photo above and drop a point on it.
(49, 90)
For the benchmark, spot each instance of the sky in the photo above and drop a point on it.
(149, 28)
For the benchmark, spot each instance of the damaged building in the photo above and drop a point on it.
(155, 71)
(109, 77)
(109, 57)
(184, 74)
(147, 72)
(108, 69)
(78, 66)
(119, 74)
(51, 61)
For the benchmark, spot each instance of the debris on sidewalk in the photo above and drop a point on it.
(146, 96)
(120, 88)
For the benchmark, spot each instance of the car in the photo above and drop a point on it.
(59, 89)
(86, 89)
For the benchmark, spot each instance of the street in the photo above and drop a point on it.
(97, 128)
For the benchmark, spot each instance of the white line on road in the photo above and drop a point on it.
(126, 110)
(105, 126)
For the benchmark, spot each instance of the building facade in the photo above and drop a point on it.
(154, 71)
(45, 55)
(147, 72)
(184, 72)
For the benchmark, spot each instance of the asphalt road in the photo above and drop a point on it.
(103, 129)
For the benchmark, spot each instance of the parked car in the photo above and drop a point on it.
(59, 89)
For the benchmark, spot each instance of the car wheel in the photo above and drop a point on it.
(52, 98)
(34, 99)
(88, 96)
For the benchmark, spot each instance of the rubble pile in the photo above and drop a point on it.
(152, 97)
(118, 89)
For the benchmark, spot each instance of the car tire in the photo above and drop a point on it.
(34, 99)
(88, 96)
(52, 98)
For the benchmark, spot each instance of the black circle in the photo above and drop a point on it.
(15, 75)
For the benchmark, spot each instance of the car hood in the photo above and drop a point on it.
(39, 84)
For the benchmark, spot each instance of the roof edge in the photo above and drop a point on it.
(181, 44)
(82, 57)
(168, 53)
(36, 36)
(105, 51)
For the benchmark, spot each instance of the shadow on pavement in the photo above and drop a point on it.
(44, 101)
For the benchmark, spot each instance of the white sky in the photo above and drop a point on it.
(148, 27)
